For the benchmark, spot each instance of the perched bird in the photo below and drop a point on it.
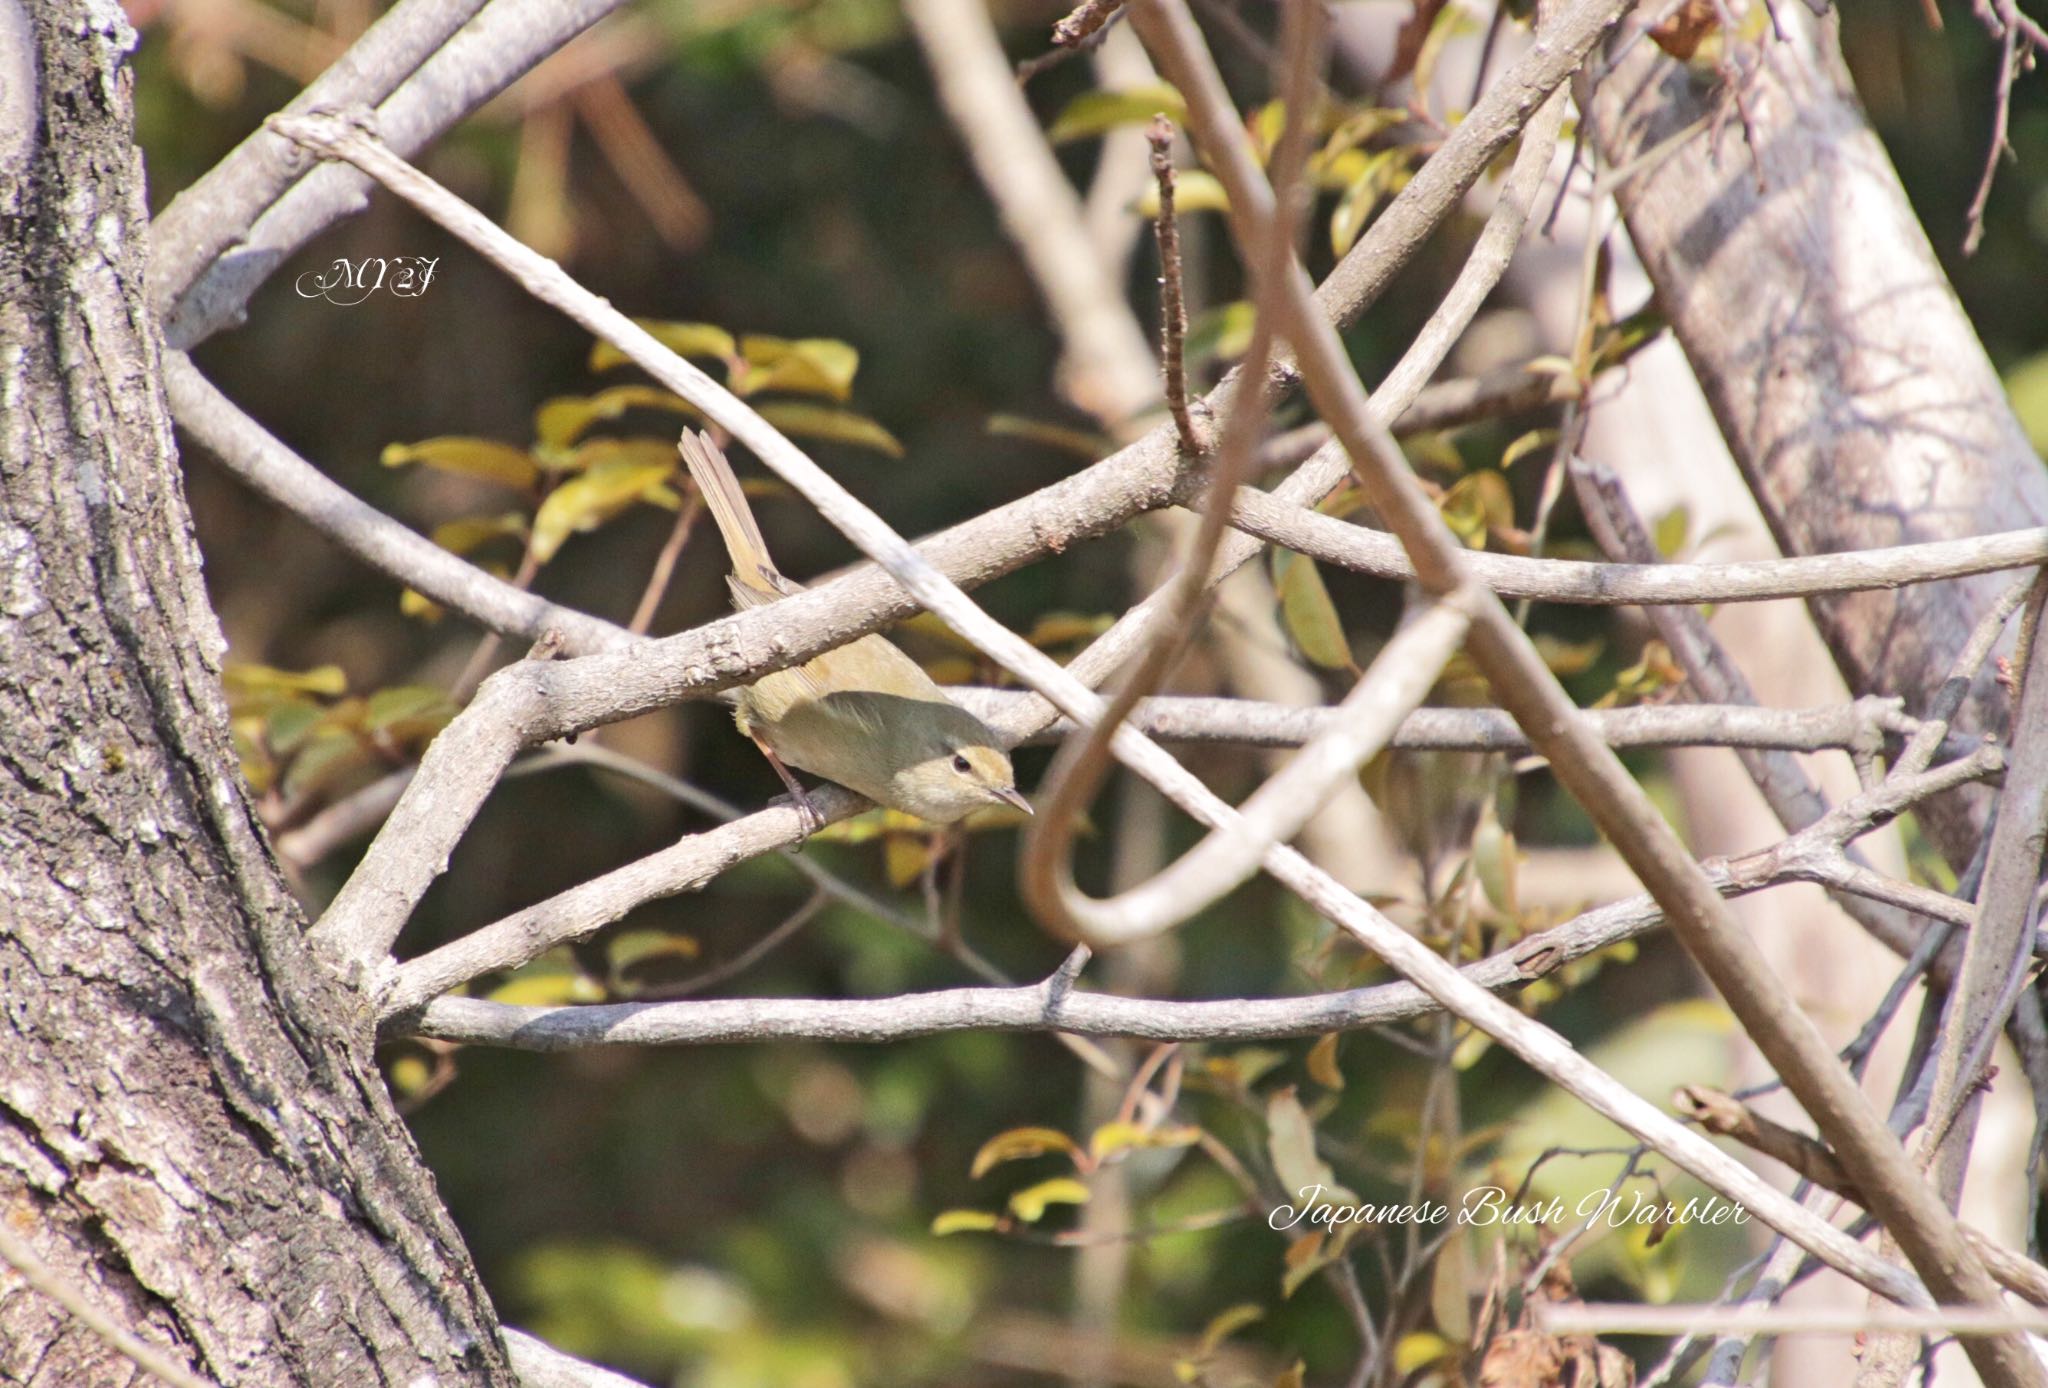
(863, 714)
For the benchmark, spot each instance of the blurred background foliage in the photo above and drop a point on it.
(762, 1217)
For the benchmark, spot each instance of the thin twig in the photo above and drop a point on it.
(117, 1337)
(1173, 311)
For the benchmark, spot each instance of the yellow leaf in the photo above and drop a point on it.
(549, 981)
(637, 947)
(1671, 529)
(465, 535)
(1097, 113)
(905, 858)
(1080, 442)
(966, 1222)
(1019, 1143)
(1294, 1377)
(1193, 191)
(562, 420)
(1223, 333)
(1419, 1348)
(1112, 1138)
(642, 452)
(1523, 446)
(1322, 1062)
(1066, 628)
(1373, 182)
(249, 684)
(684, 339)
(485, 459)
(836, 426)
(1030, 1203)
(808, 366)
(409, 1074)
(585, 502)
(1226, 1323)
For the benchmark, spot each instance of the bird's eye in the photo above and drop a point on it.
(961, 764)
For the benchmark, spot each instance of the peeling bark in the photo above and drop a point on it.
(192, 1132)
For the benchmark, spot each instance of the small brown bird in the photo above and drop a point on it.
(863, 714)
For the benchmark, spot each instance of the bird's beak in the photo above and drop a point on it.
(1010, 795)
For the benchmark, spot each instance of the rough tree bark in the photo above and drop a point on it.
(1845, 377)
(192, 1133)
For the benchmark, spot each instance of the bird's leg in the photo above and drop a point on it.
(812, 819)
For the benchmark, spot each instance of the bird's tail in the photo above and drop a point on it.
(754, 575)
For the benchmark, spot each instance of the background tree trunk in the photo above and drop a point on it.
(192, 1133)
(1846, 379)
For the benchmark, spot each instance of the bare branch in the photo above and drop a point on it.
(254, 455)
(1999, 949)
(1924, 1227)
(207, 218)
(1109, 369)
(487, 55)
(588, 907)
(540, 1365)
(1173, 309)
(1969, 1323)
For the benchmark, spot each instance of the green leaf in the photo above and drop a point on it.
(1495, 860)
(1031, 1203)
(1309, 615)
(1019, 1143)
(562, 420)
(1099, 112)
(824, 422)
(289, 723)
(684, 339)
(585, 502)
(807, 366)
(406, 711)
(327, 756)
(1223, 333)
(2026, 385)
(966, 1222)
(1291, 1143)
(484, 459)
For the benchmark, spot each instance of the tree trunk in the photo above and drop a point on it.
(192, 1133)
(1848, 383)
